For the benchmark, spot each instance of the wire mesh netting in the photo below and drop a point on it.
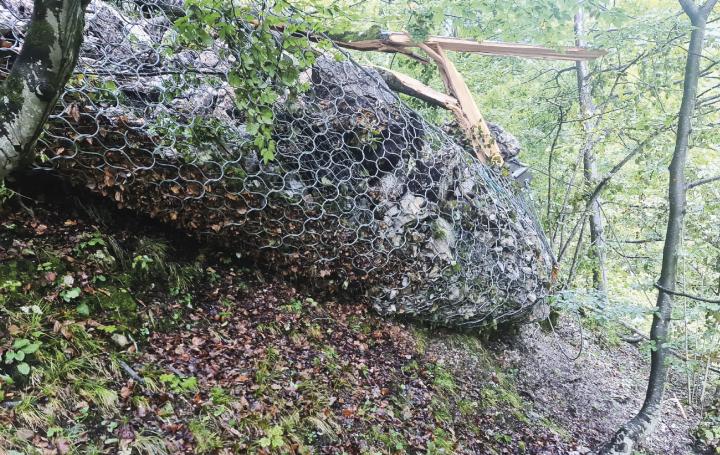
(363, 197)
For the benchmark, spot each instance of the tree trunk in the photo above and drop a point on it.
(587, 110)
(644, 422)
(37, 78)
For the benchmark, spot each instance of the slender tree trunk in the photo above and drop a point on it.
(37, 77)
(587, 110)
(645, 421)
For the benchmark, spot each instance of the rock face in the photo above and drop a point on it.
(363, 197)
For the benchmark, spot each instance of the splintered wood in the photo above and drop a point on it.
(392, 41)
(460, 101)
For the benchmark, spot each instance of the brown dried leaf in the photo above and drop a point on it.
(74, 112)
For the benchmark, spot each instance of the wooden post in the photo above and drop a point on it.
(474, 124)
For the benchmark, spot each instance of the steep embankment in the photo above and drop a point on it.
(599, 391)
(142, 341)
(135, 339)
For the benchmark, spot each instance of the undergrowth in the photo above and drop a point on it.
(115, 340)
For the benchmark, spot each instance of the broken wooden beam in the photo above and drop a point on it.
(388, 41)
(465, 109)
(402, 83)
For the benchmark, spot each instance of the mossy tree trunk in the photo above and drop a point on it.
(645, 421)
(37, 77)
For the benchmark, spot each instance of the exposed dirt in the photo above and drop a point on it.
(595, 394)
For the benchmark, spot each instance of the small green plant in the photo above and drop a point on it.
(11, 286)
(178, 384)
(273, 438)
(93, 241)
(440, 409)
(71, 294)
(212, 275)
(708, 433)
(5, 193)
(441, 443)
(329, 359)
(142, 262)
(443, 380)
(206, 439)
(295, 306)
(46, 267)
(5, 380)
(54, 432)
(467, 407)
(265, 369)
(94, 247)
(21, 348)
(392, 440)
(220, 397)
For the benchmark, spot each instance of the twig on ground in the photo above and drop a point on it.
(680, 406)
(132, 373)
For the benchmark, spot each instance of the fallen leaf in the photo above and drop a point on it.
(74, 112)
(125, 392)
(62, 445)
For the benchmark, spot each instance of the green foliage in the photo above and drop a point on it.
(422, 22)
(177, 384)
(442, 443)
(269, 48)
(142, 262)
(5, 193)
(273, 438)
(295, 306)
(70, 294)
(10, 285)
(708, 432)
(207, 440)
(443, 379)
(16, 355)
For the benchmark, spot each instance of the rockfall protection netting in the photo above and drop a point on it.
(363, 194)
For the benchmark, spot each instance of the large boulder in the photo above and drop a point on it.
(363, 197)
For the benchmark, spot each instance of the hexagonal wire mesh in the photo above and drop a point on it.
(363, 195)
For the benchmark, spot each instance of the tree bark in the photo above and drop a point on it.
(590, 172)
(37, 77)
(645, 421)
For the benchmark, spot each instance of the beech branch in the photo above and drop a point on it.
(689, 296)
(703, 181)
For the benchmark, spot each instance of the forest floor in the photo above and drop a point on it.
(593, 395)
(120, 336)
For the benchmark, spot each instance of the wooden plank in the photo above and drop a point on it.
(403, 83)
(379, 46)
(473, 122)
(386, 41)
(515, 49)
(458, 88)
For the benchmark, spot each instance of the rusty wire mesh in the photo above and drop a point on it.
(363, 196)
